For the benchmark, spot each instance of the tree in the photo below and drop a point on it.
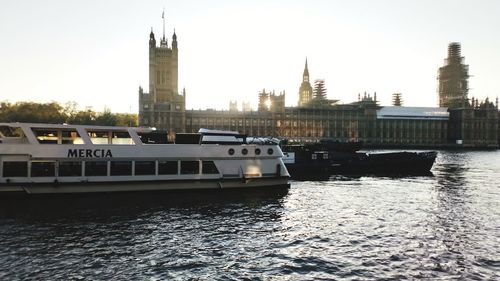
(127, 119)
(106, 118)
(31, 112)
(54, 113)
(70, 109)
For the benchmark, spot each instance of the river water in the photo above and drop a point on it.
(444, 226)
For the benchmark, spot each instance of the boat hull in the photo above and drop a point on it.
(136, 186)
(385, 163)
(346, 163)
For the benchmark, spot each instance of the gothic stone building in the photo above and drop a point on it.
(471, 123)
(163, 107)
(458, 122)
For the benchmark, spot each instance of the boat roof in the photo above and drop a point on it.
(217, 132)
(71, 126)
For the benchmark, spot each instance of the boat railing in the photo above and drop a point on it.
(263, 140)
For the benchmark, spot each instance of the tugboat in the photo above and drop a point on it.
(330, 157)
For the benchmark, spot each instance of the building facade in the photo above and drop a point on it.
(270, 101)
(362, 121)
(472, 123)
(475, 126)
(456, 123)
(163, 107)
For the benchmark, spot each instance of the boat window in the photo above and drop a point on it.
(145, 167)
(99, 137)
(183, 138)
(96, 168)
(121, 168)
(106, 137)
(167, 167)
(55, 136)
(43, 169)
(70, 169)
(15, 169)
(156, 137)
(190, 167)
(257, 151)
(11, 132)
(45, 136)
(208, 167)
(121, 138)
(313, 156)
(70, 137)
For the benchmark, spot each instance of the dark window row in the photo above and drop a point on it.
(100, 168)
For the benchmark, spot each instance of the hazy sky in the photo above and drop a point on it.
(96, 52)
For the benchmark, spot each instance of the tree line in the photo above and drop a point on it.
(55, 113)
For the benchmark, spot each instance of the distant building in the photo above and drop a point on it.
(313, 97)
(453, 84)
(412, 126)
(305, 90)
(472, 123)
(163, 107)
(269, 101)
(475, 126)
(246, 107)
(233, 106)
(319, 91)
(397, 99)
(457, 122)
(264, 101)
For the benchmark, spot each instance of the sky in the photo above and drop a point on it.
(95, 53)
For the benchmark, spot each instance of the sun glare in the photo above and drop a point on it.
(268, 103)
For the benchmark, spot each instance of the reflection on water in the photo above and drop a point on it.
(450, 169)
(132, 204)
(458, 217)
(354, 176)
(452, 221)
(440, 226)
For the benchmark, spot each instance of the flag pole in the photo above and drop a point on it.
(163, 17)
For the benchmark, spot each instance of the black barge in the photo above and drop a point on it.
(330, 158)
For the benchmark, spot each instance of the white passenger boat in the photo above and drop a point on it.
(47, 158)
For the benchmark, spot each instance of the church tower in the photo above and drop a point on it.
(305, 91)
(163, 107)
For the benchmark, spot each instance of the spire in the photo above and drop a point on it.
(152, 40)
(305, 76)
(306, 70)
(174, 40)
